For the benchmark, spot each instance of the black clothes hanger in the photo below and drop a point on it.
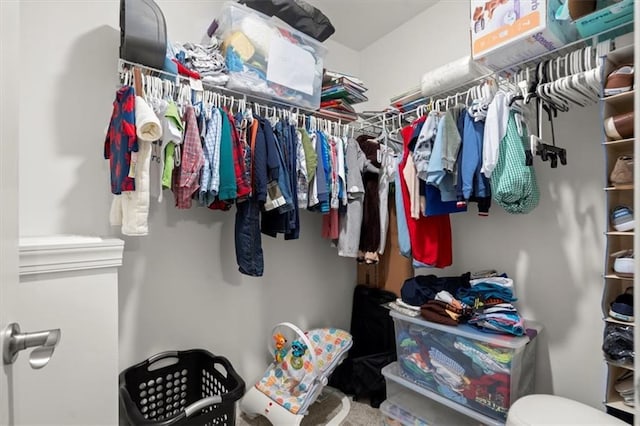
(547, 152)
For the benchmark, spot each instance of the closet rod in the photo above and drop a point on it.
(123, 65)
(310, 118)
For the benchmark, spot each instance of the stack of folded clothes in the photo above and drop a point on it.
(493, 309)
(204, 61)
(485, 301)
(445, 309)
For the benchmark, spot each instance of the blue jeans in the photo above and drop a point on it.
(249, 253)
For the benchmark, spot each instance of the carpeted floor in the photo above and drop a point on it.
(320, 413)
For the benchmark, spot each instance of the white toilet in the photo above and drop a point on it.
(534, 410)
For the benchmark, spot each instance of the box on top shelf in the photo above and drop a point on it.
(481, 371)
(614, 14)
(268, 58)
(506, 32)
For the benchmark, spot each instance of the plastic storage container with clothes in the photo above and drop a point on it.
(473, 369)
(268, 58)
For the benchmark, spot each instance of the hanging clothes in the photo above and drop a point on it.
(387, 174)
(430, 236)
(283, 219)
(370, 231)
(210, 178)
(424, 144)
(228, 184)
(243, 188)
(494, 131)
(186, 177)
(330, 225)
(302, 174)
(403, 230)
(410, 176)
(446, 142)
(472, 183)
(513, 183)
(121, 140)
(131, 208)
(351, 221)
(248, 237)
(173, 132)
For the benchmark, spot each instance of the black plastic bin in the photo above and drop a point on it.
(192, 387)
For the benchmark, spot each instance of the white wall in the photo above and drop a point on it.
(179, 287)
(396, 62)
(555, 254)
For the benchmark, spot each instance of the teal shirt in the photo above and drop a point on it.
(228, 187)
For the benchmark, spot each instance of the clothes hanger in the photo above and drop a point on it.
(539, 147)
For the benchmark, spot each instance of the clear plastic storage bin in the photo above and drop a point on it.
(472, 369)
(268, 58)
(407, 407)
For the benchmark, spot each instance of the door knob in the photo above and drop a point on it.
(44, 343)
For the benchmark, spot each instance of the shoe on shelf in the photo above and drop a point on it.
(622, 173)
(622, 219)
(623, 263)
(619, 81)
(622, 307)
(619, 126)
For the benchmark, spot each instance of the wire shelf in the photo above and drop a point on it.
(500, 74)
(231, 94)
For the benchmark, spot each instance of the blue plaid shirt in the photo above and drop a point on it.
(210, 178)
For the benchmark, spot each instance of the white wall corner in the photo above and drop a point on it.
(41, 255)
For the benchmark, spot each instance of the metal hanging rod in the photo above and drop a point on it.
(124, 66)
(502, 74)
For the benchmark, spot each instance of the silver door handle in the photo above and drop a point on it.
(44, 343)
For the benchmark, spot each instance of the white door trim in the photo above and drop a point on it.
(39, 255)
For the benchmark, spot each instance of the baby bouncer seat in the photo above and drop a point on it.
(303, 362)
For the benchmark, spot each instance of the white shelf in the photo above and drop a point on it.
(615, 321)
(619, 188)
(621, 233)
(620, 143)
(392, 372)
(619, 405)
(620, 365)
(620, 98)
(623, 54)
(618, 277)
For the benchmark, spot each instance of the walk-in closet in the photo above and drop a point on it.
(319, 212)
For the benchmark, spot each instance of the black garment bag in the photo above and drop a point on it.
(297, 13)
(373, 347)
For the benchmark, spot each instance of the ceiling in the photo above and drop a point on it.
(359, 23)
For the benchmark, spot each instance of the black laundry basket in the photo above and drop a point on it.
(191, 387)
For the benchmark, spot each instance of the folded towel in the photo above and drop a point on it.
(148, 126)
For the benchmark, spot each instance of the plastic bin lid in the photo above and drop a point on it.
(471, 332)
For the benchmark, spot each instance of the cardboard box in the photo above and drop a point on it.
(604, 19)
(506, 32)
(393, 268)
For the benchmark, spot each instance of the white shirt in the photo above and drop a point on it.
(495, 129)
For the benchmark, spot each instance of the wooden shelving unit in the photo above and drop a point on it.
(614, 284)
